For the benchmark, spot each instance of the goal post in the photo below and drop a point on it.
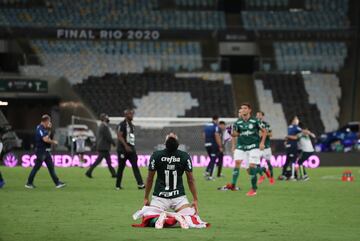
(150, 132)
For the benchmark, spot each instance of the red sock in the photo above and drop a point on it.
(268, 173)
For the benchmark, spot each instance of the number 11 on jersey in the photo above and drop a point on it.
(167, 180)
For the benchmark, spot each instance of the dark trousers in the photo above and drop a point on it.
(43, 157)
(1, 178)
(132, 157)
(220, 163)
(291, 157)
(213, 153)
(304, 156)
(101, 156)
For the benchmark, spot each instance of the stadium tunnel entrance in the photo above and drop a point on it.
(23, 113)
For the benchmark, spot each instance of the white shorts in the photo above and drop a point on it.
(266, 154)
(248, 157)
(169, 203)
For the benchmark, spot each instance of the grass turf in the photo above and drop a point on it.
(323, 208)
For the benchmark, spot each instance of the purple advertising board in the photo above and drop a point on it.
(66, 160)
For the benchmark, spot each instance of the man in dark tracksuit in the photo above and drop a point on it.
(126, 150)
(222, 127)
(104, 142)
(213, 145)
(291, 148)
(43, 144)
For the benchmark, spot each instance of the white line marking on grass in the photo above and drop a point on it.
(330, 177)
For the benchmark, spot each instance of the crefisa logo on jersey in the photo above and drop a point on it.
(170, 160)
(246, 133)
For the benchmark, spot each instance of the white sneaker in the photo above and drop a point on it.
(210, 178)
(292, 178)
(29, 186)
(161, 220)
(182, 222)
(60, 185)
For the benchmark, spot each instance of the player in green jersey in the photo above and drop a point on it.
(170, 164)
(247, 147)
(266, 153)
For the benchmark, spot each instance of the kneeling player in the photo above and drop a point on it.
(169, 165)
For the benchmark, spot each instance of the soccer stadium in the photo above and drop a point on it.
(179, 120)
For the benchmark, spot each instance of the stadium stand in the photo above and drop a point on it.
(316, 14)
(276, 117)
(264, 4)
(76, 60)
(313, 56)
(290, 91)
(172, 104)
(327, 5)
(196, 3)
(324, 91)
(285, 20)
(140, 14)
(202, 97)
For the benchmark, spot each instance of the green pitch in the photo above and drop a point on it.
(323, 208)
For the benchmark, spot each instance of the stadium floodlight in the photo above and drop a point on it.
(4, 103)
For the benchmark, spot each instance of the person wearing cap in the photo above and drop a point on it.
(126, 149)
(43, 144)
(103, 146)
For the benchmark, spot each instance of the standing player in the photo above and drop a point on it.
(213, 145)
(43, 144)
(169, 165)
(248, 148)
(291, 148)
(126, 150)
(307, 150)
(266, 153)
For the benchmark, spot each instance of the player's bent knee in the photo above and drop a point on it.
(238, 163)
(183, 207)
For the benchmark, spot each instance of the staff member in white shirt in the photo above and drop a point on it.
(307, 150)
